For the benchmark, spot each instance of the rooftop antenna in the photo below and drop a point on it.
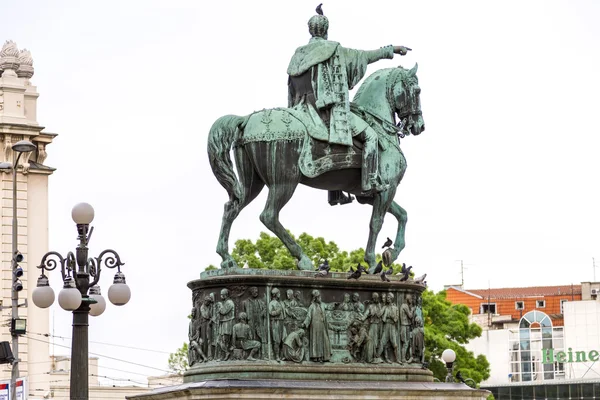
(462, 274)
(489, 307)
(594, 267)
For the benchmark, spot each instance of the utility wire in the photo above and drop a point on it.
(105, 356)
(56, 372)
(121, 379)
(104, 343)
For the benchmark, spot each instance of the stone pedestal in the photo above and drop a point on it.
(314, 390)
(265, 334)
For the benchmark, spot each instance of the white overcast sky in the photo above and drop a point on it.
(505, 177)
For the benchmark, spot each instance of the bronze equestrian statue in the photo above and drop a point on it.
(323, 140)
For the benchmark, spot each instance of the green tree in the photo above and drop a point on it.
(178, 361)
(447, 326)
(270, 252)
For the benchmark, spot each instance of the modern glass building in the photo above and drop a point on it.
(584, 390)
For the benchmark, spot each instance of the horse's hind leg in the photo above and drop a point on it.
(252, 185)
(278, 197)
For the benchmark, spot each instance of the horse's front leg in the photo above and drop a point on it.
(402, 218)
(380, 202)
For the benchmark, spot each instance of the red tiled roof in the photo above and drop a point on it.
(514, 293)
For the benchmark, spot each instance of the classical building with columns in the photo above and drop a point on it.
(45, 375)
(18, 121)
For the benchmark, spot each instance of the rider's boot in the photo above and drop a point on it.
(370, 181)
(335, 197)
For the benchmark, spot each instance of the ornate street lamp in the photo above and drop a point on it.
(449, 356)
(17, 324)
(80, 292)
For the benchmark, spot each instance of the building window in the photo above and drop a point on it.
(526, 347)
(562, 305)
(540, 303)
(519, 305)
(488, 308)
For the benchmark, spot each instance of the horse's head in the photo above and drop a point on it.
(407, 102)
(393, 92)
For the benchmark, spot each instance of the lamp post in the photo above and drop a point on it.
(449, 356)
(22, 146)
(80, 293)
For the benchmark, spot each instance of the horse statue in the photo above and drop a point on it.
(274, 148)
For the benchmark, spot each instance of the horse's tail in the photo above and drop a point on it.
(222, 134)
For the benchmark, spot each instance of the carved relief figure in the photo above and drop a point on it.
(256, 311)
(346, 304)
(406, 319)
(277, 314)
(358, 341)
(226, 314)
(195, 353)
(242, 339)
(418, 340)
(290, 305)
(373, 316)
(209, 325)
(298, 298)
(290, 302)
(316, 322)
(390, 330)
(357, 305)
(293, 346)
(419, 308)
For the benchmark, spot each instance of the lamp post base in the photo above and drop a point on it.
(79, 354)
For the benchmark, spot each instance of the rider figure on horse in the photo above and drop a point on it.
(321, 74)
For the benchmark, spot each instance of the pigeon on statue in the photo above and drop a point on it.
(355, 274)
(323, 270)
(319, 10)
(404, 272)
(387, 243)
(384, 274)
(378, 268)
(421, 279)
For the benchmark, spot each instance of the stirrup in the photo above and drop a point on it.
(377, 188)
(338, 197)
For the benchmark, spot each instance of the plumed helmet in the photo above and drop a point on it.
(318, 24)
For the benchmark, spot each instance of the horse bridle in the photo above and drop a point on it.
(403, 118)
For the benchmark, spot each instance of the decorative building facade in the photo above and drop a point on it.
(541, 342)
(18, 121)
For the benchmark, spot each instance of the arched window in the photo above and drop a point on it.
(534, 316)
(527, 346)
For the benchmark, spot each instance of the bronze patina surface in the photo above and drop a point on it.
(262, 324)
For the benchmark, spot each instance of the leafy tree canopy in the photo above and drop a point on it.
(270, 252)
(447, 326)
(178, 361)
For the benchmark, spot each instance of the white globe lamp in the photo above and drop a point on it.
(43, 295)
(69, 297)
(97, 308)
(83, 214)
(119, 293)
(448, 356)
